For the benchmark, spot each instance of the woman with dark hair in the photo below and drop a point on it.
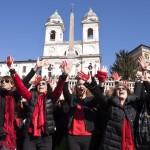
(40, 122)
(22, 105)
(8, 100)
(81, 113)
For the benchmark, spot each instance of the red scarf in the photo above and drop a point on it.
(38, 117)
(10, 140)
(127, 137)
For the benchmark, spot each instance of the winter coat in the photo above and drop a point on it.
(88, 109)
(32, 98)
(116, 114)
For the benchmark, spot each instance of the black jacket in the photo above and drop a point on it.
(50, 124)
(88, 108)
(115, 116)
(142, 132)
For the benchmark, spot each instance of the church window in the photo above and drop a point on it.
(53, 35)
(24, 69)
(90, 33)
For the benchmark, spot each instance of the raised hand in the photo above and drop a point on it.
(142, 63)
(115, 76)
(102, 74)
(66, 67)
(9, 61)
(83, 76)
(38, 78)
(40, 63)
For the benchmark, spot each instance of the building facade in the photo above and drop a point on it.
(141, 50)
(86, 52)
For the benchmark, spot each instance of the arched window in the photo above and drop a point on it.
(90, 33)
(53, 35)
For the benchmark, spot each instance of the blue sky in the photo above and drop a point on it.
(124, 24)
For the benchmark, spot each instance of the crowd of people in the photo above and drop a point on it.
(33, 117)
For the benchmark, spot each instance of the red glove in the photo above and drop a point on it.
(37, 80)
(83, 76)
(102, 76)
(9, 61)
(116, 76)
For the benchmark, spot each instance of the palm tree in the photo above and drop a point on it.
(124, 65)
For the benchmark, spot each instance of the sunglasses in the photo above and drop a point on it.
(42, 83)
(5, 80)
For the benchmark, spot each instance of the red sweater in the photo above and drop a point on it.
(78, 123)
(37, 125)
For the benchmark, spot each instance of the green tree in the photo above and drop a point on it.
(125, 65)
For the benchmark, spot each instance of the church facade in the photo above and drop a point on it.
(85, 53)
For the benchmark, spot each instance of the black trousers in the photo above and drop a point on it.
(79, 142)
(37, 143)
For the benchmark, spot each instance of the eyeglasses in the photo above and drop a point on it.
(41, 83)
(5, 80)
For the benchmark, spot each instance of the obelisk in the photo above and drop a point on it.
(71, 53)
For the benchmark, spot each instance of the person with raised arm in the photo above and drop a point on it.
(8, 100)
(122, 109)
(82, 114)
(22, 105)
(142, 132)
(40, 122)
(39, 64)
